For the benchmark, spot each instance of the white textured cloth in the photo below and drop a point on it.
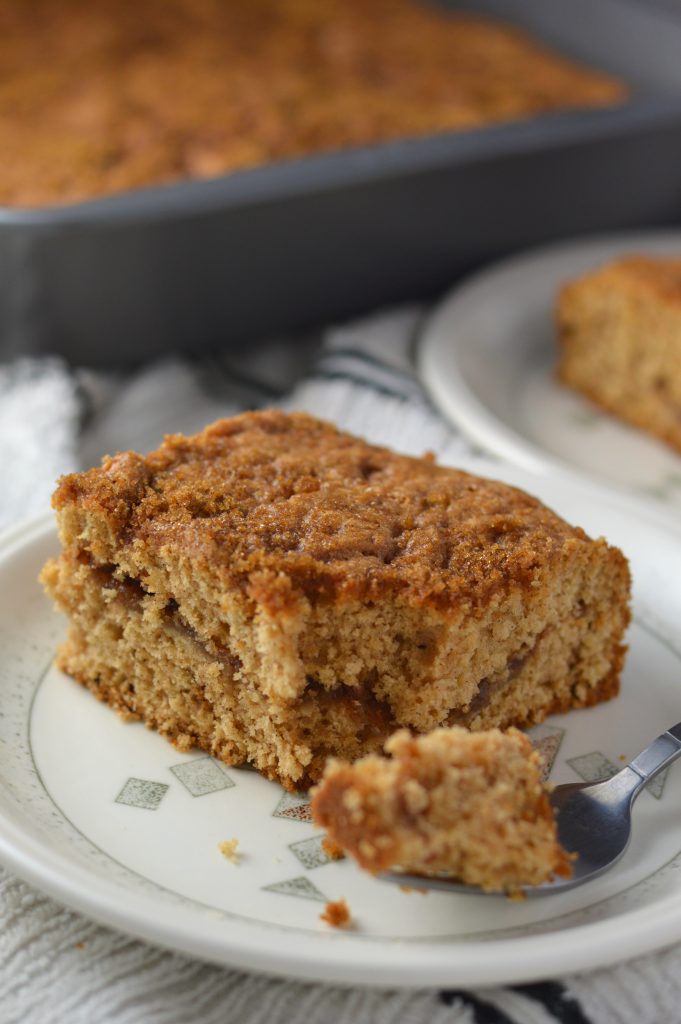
(56, 966)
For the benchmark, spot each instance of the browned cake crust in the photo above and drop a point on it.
(277, 591)
(619, 329)
(469, 805)
(100, 96)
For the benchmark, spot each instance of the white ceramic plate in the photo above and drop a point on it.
(110, 819)
(488, 354)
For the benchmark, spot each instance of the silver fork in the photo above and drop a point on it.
(594, 822)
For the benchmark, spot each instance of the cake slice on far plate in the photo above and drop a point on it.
(619, 329)
(468, 805)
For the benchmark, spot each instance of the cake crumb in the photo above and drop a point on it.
(336, 914)
(228, 849)
(332, 850)
(479, 786)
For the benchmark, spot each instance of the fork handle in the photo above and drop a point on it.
(662, 752)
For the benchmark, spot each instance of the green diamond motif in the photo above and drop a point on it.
(547, 740)
(656, 787)
(310, 852)
(586, 418)
(301, 887)
(142, 793)
(593, 767)
(202, 776)
(295, 806)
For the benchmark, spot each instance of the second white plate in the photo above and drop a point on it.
(487, 356)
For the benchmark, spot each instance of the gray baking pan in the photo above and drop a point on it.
(290, 246)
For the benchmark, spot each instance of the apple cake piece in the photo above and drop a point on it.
(276, 591)
(619, 329)
(470, 805)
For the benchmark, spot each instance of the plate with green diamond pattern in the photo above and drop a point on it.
(110, 819)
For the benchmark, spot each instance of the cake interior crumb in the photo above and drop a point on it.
(470, 806)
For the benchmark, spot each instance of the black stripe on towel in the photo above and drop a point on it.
(352, 378)
(483, 1013)
(556, 999)
(362, 368)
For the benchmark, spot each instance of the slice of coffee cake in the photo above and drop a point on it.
(276, 591)
(470, 805)
(619, 329)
